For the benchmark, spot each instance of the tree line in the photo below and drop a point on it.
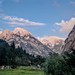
(13, 57)
(55, 64)
(63, 64)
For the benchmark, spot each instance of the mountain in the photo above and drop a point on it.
(23, 38)
(53, 42)
(70, 41)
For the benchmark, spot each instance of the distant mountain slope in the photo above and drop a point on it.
(24, 39)
(53, 42)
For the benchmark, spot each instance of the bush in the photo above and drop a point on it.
(56, 65)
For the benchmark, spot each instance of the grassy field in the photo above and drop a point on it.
(22, 71)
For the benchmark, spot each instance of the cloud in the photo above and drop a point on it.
(21, 21)
(66, 26)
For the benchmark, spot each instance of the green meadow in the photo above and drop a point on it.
(22, 71)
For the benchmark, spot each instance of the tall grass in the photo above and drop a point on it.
(22, 71)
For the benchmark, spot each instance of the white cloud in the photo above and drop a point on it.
(21, 21)
(66, 26)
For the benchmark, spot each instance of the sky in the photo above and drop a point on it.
(40, 17)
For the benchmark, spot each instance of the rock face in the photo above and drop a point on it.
(53, 42)
(70, 41)
(24, 39)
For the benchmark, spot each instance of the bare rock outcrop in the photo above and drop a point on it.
(70, 41)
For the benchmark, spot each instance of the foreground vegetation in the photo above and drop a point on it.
(13, 57)
(55, 64)
(60, 64)
(22, 71)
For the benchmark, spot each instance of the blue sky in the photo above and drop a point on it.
(40, 17)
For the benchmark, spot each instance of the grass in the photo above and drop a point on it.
(22, 71)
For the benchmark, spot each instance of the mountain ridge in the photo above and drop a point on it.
(70, 41)
(53, 42)
(26, 40)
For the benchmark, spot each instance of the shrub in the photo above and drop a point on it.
(56, 65)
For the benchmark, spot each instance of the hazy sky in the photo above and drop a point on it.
(40, 17)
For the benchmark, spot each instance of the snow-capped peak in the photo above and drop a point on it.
(21, 31)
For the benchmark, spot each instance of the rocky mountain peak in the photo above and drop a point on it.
(23, 38)
(72, 31)
(53, 42)
(74, 28)
(70, 41)
(5, 34)
(21, 32)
